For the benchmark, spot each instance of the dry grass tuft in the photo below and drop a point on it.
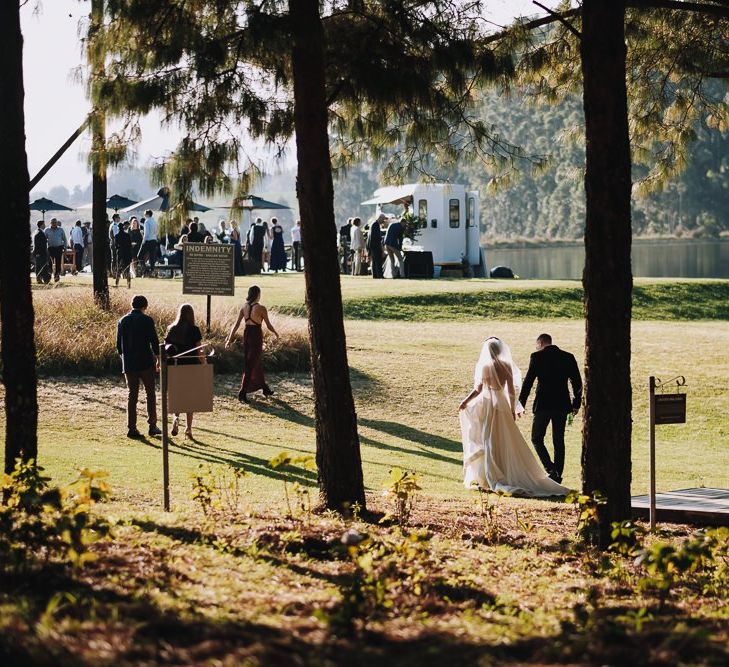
(74, 337)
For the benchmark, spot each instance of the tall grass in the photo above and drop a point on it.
(74, 337)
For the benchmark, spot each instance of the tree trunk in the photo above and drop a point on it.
(100, 225)
(16, 302)
(337, 442)
(607, 279)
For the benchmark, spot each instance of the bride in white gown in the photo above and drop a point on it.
(495, 454)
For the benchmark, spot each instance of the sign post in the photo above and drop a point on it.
(209, 270)
(165, 435)
(662, 409)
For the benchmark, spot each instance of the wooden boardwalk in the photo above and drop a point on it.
(703, 507)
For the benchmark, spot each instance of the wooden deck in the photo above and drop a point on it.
(704, 507)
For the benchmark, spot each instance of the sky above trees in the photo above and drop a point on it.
(56, 104)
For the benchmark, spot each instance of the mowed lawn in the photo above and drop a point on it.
(408, 377)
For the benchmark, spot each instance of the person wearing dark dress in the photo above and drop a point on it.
(123, 254)
(40, 255)
(234, 238)
(278, 252)
(183, 337)
(552, 368)
(257, 235)
(374, 246)
(254, 315)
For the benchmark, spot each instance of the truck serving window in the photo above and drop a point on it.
(454, 212)
(471, 212)
(423, 212)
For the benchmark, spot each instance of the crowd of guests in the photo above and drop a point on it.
(136, 249)
(372, 245)
(138, 346)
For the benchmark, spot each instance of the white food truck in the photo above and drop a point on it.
(449, 219)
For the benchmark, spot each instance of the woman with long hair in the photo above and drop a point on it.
(278, 252)
(183, 337)
(234, 237)
(495, 454)
(254, 315)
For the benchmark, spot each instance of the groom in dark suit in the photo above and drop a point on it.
(553, 368)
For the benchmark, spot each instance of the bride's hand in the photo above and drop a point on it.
(513, 414)
(463, 404)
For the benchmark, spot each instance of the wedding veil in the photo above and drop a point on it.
(496, 350)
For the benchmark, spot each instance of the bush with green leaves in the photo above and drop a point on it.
(701, 561)
(588, 514)
(390, 576)
(218, 488)
(401, 488)
(286, 463)
(41, 524)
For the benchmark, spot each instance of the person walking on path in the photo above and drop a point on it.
(40, 255)
(553, 369)
(374, 246)
(56, 245)
(254, 314)
(183, 337)
(137, 345)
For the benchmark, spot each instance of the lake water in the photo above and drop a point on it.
(680, 259)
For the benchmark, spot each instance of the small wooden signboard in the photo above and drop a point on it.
(190, 388)
(208, 269)
(670, 408)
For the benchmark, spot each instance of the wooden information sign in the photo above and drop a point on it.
(670, 408)
(208, 269)
(662, 409)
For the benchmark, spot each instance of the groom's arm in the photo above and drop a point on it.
(576, 380)
(528, 380)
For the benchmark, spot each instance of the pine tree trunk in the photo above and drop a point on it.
(337, 442)
(607, 280)
(100, 226)
(16, 302)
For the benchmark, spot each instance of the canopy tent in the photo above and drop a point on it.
(44, 204)
(115, 202)
(253, 202)
(393, 194)
(159, 202)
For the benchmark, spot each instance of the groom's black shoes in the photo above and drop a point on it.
(555, 476)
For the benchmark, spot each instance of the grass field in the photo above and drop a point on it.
(408, 378)
(181, 589)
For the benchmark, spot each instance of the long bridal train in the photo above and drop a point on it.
(495, 454)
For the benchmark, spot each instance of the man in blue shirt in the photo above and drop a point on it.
(150, 247)
(56, 245)
(393, 247)
(137, 344)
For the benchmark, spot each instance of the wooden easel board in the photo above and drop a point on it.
(190, 388)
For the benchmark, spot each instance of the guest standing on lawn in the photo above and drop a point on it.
(278, 251)
(137, 345)
(40, 255)
(56, 244)
(150, 246)
(183, 337)
(124, 254)
(374, 246)
(254, 315)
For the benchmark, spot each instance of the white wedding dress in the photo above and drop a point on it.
(495, 454)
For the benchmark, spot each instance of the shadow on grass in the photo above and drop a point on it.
(413, 434)
(132, 628)
(254, 465)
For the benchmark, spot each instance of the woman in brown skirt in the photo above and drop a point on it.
(254, 315)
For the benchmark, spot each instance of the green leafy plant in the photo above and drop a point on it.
(588, 513)
(401, 488)
(627, 538)
(488, 501)
(41, 524)
(286, 462)
(217, 488)
(390, 573)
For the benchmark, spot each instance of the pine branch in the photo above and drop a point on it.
(701, 8)
(563, 21)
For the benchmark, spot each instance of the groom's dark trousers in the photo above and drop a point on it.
(542, 418)
(553, 370)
